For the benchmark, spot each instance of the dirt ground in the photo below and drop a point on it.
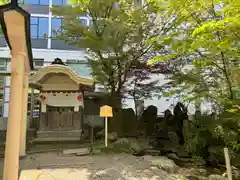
(93, 167)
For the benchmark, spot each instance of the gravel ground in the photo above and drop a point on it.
(94, 167)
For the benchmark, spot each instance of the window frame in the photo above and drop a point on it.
(38, 2)
(63, 2)
(37, 25)
(81, 18)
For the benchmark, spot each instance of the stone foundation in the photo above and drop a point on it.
(61, 135)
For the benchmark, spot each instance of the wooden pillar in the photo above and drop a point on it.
(11, 160)
(24, 116)
(31, 109)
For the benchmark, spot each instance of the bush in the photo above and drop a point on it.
(207, 137)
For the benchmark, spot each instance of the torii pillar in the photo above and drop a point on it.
(22, 151)
(11, 161)
(15, 23)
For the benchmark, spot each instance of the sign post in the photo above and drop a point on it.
(106, 111)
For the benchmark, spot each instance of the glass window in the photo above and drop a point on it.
(39, 27)
(34, 31)
(34, 20)
(43, 27)
(57, 2)
(81, 68)
(31, 1)
(56, 25)
(43, 2)
(84, 21)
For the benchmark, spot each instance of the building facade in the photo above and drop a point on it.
(45, 46)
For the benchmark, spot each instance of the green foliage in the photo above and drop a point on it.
(206, 38)
(208, 137)
(115, 40)
(119, 148)
(2, 2)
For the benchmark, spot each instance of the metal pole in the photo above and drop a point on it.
(106, 132)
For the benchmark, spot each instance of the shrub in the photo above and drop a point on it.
(207, 137)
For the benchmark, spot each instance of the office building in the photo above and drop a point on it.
(44, 43)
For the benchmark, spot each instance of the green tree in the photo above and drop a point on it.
(207, 37)
(204, 49)
(115, 40)
(2, 2)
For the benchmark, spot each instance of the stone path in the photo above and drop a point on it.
(55, 166)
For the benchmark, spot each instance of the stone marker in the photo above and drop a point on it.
(79, 151)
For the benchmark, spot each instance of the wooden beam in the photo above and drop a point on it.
(5, 74)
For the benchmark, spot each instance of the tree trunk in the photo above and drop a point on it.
(115, 101)
(135, 105)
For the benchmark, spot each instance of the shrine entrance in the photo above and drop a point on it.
(60, 118)
(62, 103)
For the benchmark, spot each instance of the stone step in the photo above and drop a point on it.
(70, 133)
(56, 139)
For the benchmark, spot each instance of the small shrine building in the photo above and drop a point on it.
(62, 94)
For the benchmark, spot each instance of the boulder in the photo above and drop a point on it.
(172, 156)
(173, 138)
(179, 177)
(129, 123)
(216, 177)
(100, 133)
(133, 145)
(163, 163)
(236, 174)
(121, 141)
(112, 136)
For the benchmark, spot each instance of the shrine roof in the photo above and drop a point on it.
(59, 69)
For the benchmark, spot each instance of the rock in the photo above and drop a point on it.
(202, 178)
(136, 147)
(173, 138)
(172, 156)
(182, 152)
(133, 145)
(112, 136)
(236, 174)
(121, 141)
(216, 177)
(79, 151)
(152, 152)
(178, 177)
(100, 133)
(202, 172)
(163, 163)
(196, 178)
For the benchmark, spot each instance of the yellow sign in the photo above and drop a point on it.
(106, 111)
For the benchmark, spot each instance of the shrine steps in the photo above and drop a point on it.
(56, 136)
